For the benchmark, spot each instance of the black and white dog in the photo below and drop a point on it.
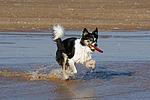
(72, 51)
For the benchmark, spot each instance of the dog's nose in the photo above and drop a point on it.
(95, 45)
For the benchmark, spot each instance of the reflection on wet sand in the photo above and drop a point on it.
(103, 82)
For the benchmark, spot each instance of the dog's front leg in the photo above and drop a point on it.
(91, 64)
(72, 65)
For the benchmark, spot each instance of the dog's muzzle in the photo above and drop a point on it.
(92, 48)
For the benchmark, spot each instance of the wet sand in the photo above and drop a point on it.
(107, 15)
(28, 68)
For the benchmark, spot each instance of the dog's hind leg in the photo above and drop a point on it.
(64, 66)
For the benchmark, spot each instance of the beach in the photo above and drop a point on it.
(107, 15)
(28, 68)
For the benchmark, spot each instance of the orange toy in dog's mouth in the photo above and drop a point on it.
(95, 48)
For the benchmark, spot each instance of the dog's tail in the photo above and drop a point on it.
(58, 32)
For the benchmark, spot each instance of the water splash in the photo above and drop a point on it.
(49, 73)
(42, 73)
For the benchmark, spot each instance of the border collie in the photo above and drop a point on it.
(72, 51)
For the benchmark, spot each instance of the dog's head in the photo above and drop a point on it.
(88, 38)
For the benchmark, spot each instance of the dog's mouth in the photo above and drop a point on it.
(93, 48)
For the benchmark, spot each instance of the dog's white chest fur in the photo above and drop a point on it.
(82, 53)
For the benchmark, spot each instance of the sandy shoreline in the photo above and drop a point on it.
(75, 15)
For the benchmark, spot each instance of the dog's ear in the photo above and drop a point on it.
(85, 32)
(95, 31)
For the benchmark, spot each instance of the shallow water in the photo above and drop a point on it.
(28, 69)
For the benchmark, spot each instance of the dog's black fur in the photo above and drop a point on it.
(66, 46)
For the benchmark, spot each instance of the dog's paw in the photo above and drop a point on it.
(91, 64)
(66, 76)
(68, 73)
(74, 71)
